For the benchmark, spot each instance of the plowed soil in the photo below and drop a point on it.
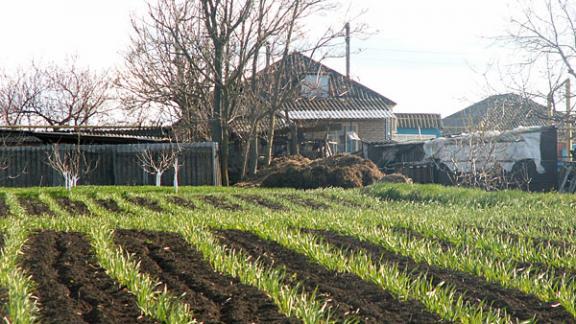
(146, 203)
(4, 210)
(73, 207)
(110, 205)
(34, 207)
(346, 293)
(473, 289)
(305, 202)
(71, 286)
(213, 297)
(341, 201)
(263, 202)
(185, 203)
(3, 292)
(415, 235)
(221, 203)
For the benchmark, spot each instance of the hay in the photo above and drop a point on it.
(345, 171)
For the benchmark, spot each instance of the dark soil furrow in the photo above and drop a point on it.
(305, 202)
(412, 234)
(512, 237)
(4, 209)
(152, 205)
(473, 289)
(73, 207)
(213, 297)
(3, 293)
(33, 206)
(71, 286)
(109, 204)
(179, 201)
(346, 293)
(341, 201)
(261, 201)
(221, 203)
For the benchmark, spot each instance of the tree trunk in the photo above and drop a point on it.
(270, 144)
(176, 167)
(158, 179)
(254, 152)
(294, 147)
(224, 156)
(246, 148)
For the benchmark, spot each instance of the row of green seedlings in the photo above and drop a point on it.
(438, 299)
(469, 196)
(477, 261)
(159, 305)
(447, 225)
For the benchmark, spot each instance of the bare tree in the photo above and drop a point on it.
(544, 39)
(206, 50)
(71, 95)
(71, 163)
(158, 162)
(57, 95)
(18, 92)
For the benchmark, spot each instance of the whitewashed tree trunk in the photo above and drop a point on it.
(176, 167)
(158, 178)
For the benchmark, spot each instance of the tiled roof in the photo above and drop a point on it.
(419, 120)
(499, 112)
(344, 99)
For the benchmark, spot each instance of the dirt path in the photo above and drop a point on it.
(213, 297)
(345, 292)
(71, 286)
(473, 289)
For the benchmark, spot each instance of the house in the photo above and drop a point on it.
(331, 108)
(506, 112)
(498, 112)
(417, 127)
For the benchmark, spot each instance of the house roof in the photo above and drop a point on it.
(406, 120)
(345, 99)
(498, 112)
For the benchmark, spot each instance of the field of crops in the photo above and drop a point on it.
(384, 254)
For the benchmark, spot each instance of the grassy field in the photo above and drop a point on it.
(386, 253)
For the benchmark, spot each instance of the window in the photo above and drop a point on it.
(351, 137)
(315, 85)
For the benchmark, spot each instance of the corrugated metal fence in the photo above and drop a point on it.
(108, 165)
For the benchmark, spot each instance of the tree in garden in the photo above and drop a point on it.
(70, 163)
(56, 95)
(158, 162)
(193, 58)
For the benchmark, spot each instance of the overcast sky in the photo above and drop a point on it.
(427, 56)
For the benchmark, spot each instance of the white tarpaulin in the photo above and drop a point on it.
(467, 152)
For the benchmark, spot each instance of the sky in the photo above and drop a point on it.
(427, 56)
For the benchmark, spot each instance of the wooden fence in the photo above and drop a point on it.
(27, 166)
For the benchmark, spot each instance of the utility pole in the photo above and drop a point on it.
(568, 122)
(347, 28)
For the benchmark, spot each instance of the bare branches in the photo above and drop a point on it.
(54, 95)
(70, 163)
(157, 162)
